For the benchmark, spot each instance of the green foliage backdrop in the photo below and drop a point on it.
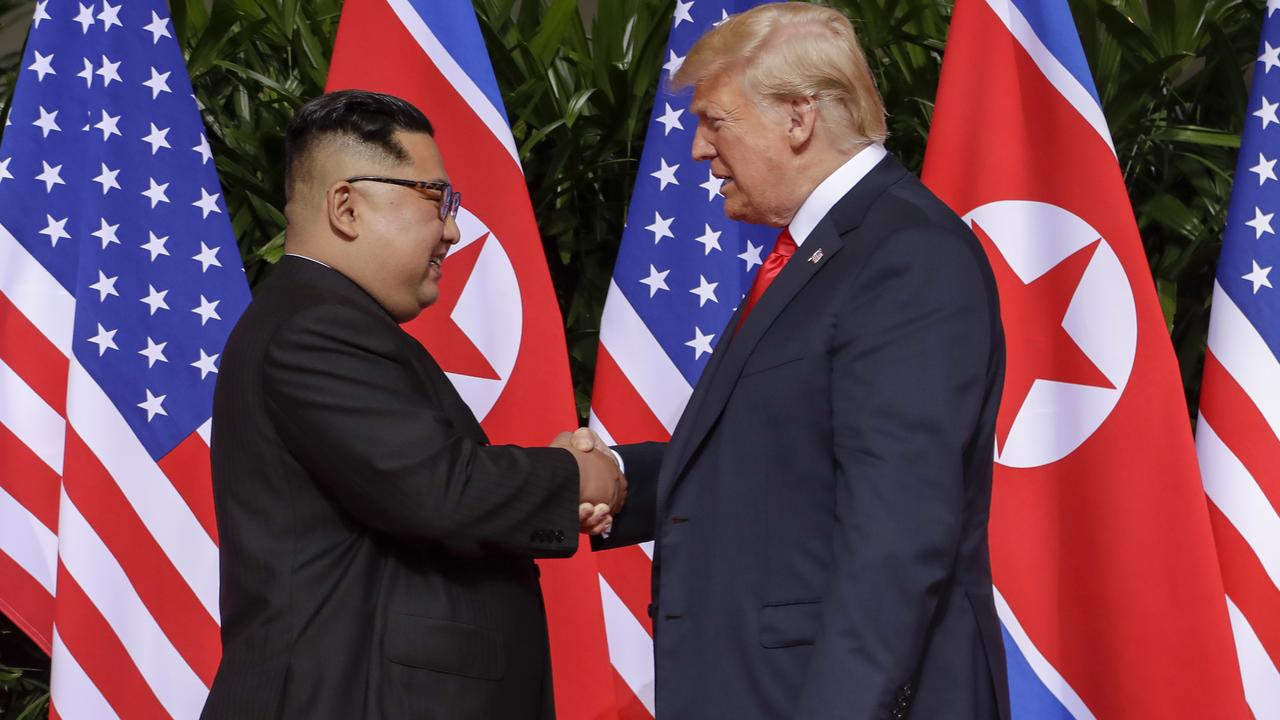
(1172, 76)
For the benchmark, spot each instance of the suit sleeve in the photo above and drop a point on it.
(911, 353)
(636, 523)
(347, 407)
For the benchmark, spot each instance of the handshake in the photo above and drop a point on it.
(602, 488)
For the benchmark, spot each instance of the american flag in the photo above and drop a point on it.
(682, 269)
(1238, 433)
(119, 282)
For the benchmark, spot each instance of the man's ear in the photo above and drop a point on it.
(802, 116)
(344, 206)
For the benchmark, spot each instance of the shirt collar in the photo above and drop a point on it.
(304, 257)
(829, 191)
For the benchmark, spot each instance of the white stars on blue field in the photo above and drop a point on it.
(105, 180)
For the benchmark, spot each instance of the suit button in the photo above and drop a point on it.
(533, 536)
(559, 536)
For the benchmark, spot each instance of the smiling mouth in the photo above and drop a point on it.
(436, 262)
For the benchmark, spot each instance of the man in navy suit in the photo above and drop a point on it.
(820, 513)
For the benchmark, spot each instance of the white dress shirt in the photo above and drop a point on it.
(829, 191)
(304, 257)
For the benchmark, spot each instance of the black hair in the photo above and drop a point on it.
(371, 118)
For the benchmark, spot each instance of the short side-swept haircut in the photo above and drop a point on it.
(790, 50)
(367, 119)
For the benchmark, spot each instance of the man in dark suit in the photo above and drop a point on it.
(375, 550)
(820, 513)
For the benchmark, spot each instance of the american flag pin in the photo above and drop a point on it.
(816, 256)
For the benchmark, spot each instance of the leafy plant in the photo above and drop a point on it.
(1172, 78)
(253, 63)
(24, 676)
(13, 14)
(579, 105)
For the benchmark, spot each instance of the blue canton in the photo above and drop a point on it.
(682, 265)
(1250, 246)
(107, 180)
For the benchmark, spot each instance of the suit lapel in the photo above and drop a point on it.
(717, 383)
(721, 376)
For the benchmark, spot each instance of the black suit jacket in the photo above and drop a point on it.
(821, 510)
(375, 550)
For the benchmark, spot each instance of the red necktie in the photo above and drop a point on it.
(783, 249)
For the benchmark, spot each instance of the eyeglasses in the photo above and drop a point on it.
(450, 199)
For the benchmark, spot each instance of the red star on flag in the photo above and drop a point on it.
(448, 344)
(1038, 346)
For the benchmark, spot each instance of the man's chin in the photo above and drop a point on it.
(735, 212)
(738, 213)
(428, 293)
(407, 316)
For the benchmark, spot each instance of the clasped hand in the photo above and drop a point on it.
(602, 487)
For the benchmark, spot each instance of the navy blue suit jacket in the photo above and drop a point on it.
(820, 513)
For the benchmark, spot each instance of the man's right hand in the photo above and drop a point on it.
(600, 481)
(584, 439)
(599, 500)
(595, 519)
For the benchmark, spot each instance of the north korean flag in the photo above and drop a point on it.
(496, 328)
(1107, 583)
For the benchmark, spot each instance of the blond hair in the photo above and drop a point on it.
(789, 50)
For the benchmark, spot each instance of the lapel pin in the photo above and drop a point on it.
(816, 256)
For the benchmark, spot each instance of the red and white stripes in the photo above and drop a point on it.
(639, 396)
(1238, 443)
(107, 558)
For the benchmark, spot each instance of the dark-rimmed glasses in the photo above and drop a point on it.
(450, 199)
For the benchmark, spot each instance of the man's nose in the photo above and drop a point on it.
(702, 148)
(451, 233)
